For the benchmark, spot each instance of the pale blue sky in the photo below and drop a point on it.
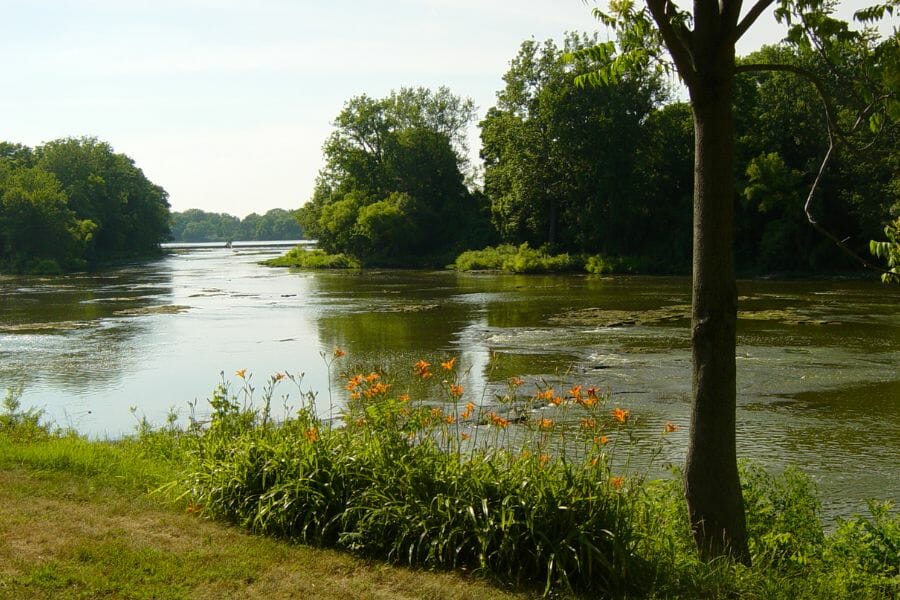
(226, 103)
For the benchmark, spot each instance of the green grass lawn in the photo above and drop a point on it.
(77, 521)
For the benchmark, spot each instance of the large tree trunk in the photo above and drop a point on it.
(712, 485)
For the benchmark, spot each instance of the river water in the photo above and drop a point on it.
(818, 377)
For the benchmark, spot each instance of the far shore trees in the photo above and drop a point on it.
(194, 225)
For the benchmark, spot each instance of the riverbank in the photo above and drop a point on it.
(83, 518)
(77, 521)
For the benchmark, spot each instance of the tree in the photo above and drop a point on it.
(131, 213)
(393, 191)
(779, 119)
(38, 232)
(701, 49)
(558, 159)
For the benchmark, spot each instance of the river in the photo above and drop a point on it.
(818, 377)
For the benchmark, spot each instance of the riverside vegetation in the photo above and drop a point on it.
(532, 492)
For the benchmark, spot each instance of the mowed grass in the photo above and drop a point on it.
(76, 521)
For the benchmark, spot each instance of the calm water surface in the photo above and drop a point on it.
(818, 377)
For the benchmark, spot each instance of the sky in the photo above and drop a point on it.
(226, 103)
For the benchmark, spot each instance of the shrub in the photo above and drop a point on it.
(515, 259)
(300, 257)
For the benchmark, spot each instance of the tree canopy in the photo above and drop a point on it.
(393, 189)
(73, 202)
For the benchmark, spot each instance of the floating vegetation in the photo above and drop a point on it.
(412, 308)
(45, 327)
(163, 309)
(599, 317)
(784, 316)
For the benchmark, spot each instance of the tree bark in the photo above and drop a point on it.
(712, 484)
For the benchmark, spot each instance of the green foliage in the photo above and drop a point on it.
(516, 259)
(21, 425)
(393, 191)
(865, 552)
(889, 251)
(782, 517)
(73, 202)
(130, 212)
(38, 232)
(195, 225)
(401, 479)
(558, 157)
(524, 259)
(303, 258)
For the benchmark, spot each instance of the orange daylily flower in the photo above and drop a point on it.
(621, 415)
(498, 420)
(470, 407)
(545, 395)
(354, 382)
(377, 389)
(421, 369)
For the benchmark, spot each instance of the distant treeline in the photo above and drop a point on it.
(195, 225)
(72, 203)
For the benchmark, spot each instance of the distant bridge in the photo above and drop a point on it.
(238, 244)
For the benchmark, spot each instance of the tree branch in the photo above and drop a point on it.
(834, 138)
(677, 38)
(750, 18)
(830, 114)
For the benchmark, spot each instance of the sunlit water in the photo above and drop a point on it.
(818, 378)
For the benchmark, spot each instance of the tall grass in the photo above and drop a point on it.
(424, 484)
